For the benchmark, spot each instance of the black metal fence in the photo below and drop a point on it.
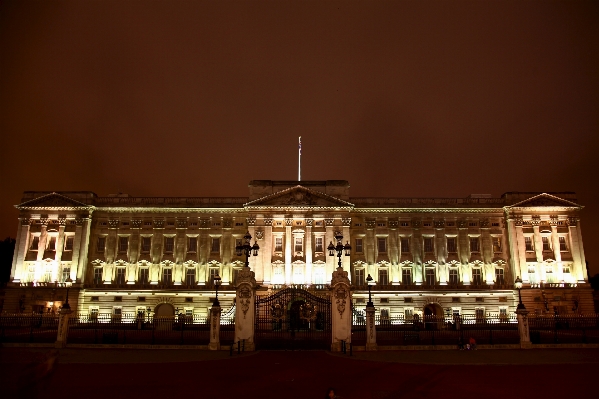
(24, 328)
(430, 330)
(562, 329)
(358, 329)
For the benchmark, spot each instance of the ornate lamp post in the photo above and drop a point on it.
(247, 249)
(217, 282)
(339, 248)
(518, 285)
(370, 282)
(68, 283)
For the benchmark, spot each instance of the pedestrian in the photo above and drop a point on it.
(472, 343)
(330, 394)
(460, 344)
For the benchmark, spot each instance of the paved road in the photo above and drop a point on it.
(108, 374)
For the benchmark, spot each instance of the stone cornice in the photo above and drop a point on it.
(428, 210)
(168, 210)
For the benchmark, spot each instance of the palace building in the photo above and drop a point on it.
(427, 256)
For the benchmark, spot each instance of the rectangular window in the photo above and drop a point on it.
(452, 245)
(169, 244)
(66, 273)
(428, 244)
(93, 312)
(502, 312)
(499, 276)
(480, 313)
(566, 269)
(213, 273)
(190, 276)
(192, 244)
(120, 275)
(278, 244)
(453, 276)
(562, 244)
(546, 246)
(146, 244)
(383, 277)
(384, 313)
(319, 247)
(144, 276)
(68, 243)
(215, 248)
(406, 276)
(474, 247)
(123, 244)
(52, 244)
(35, 242)
(117, 311)
(528, 244)
(408, 314)
(98, 275)
(359, 245)
(430, 277)
(167, 276)
(319, 275)
(382, 243)
(405, 245)
(496, 244)
(476, 277)
(359, 277)
(299, 245)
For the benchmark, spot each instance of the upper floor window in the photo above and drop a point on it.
(405, 244)
(123, 244)
(98, 275)
(319, 246)
(406, 276)
(472, 224)
(430, 276)
(278, 244)
(299, 245)
(383, 277)
(452, 245)
(35, 242)
(382, 244)
(496, 244)
(101, 243)
(359, 276)
(499, 276)
(404, 224)
(474, 244)
(146, 244)
(359, 245)
(169, 244)
(190, 276)
(428, 244)
(215, 248)
(68, 244)
(476, 276)
(381, 224)
(528, 244)
(52, 244)
(120, 275)
(167, 275)
(562, 244)
(213, 273)
(453, 276)
(66, 273)
(546, 246)
(144, 275)
(192, 244)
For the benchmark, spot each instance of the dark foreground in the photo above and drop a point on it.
(129, 373)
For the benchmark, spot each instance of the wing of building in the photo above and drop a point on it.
(426, 255)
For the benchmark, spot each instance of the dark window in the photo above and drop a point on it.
(215, 245)
(546, 246)
(192, 244)
(144, 275)
(406, 276)
(499, 279)
(428, 244)
(383, 277)
(382, 244)
(359, 277)
(405, 244)
(190, 277)
(474, 247)
(146, 244)
(35, 242)
(123, 244)
(476, 277)
(452, 245)
(169, 244)
(528, 244)
(430, 276)
(98, 275)
(68, 244)
(52, 244)
(453, 276)
(120, 275)
(496, 244)
(66, 273)
(562, 244)
(359, 248)
(167, 276)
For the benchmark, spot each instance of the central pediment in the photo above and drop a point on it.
(52, 200)
(545, 200)
(298, 197)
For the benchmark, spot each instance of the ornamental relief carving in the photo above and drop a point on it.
(340, 295)
(244, 298)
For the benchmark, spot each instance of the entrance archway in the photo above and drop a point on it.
(433, 316)
(164, 310)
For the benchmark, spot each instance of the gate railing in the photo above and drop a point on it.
(564, 329)
(28, 328)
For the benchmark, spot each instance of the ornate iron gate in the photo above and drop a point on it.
(291, 319)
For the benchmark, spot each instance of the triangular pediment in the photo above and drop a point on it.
(52, 200)
(300, 197)
(545, 200)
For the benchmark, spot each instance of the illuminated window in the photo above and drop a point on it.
(215, 248)
(474, 244)
(496, 244)
(319, 275)
(123, 244)
(192, 244)
(299, 245)
(52, 244)
(528, 244)
(298, 274)
(35, 242)
(428, 244)
(480, 313)
(384, 313)
(120, 275)
(405, 244)
(430, 276)
(359, 276)
(146, 244)
(319, 244)
(532, 274)
(476, 276)
(499, 276)
(562, 244)
(406, 276)
(169, 244)
(382, 244)
(452, 245)
(546, 246)
(144, 275)
(383, 277)
(98, 275)
(278, 277)
(408, 313)
(68, 243)
(190, 276)
(66, 273)
(278, 244)
(566, 269)
(359, 245)
(453, 276)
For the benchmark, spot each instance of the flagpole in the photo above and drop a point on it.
(299, 161)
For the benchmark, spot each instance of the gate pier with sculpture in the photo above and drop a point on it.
(145, 270)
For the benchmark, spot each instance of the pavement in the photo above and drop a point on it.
(115, 373)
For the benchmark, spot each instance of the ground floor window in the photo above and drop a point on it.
(319, 275)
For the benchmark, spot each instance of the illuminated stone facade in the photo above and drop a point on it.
(434, 255)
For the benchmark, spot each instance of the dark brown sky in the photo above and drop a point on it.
(414, 98)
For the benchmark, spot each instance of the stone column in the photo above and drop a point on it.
(180, 251)
(77, 273)
(288, 251)
(370, 328)
(308, 246)
(517, 250)
(523, 330)
(266, 251)
(41, 247)
(63, 328)
(416, 247)
(538, 243)
(580, 270)
(203, 252)
(21, 248)
(329, 237)
(556, 251)
(60, 241)
(156, 251)
(215, 311)
(245, 308)
(440, 247)
(464, 251)
(487, 251)
(395, 246)
(341, 313)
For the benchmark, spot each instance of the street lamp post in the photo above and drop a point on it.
(339, 248)
(217, 282)
(518, 285)
(370, 282)
(247, 249)
(68, 283)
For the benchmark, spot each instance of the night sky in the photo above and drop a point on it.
(191, 98)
